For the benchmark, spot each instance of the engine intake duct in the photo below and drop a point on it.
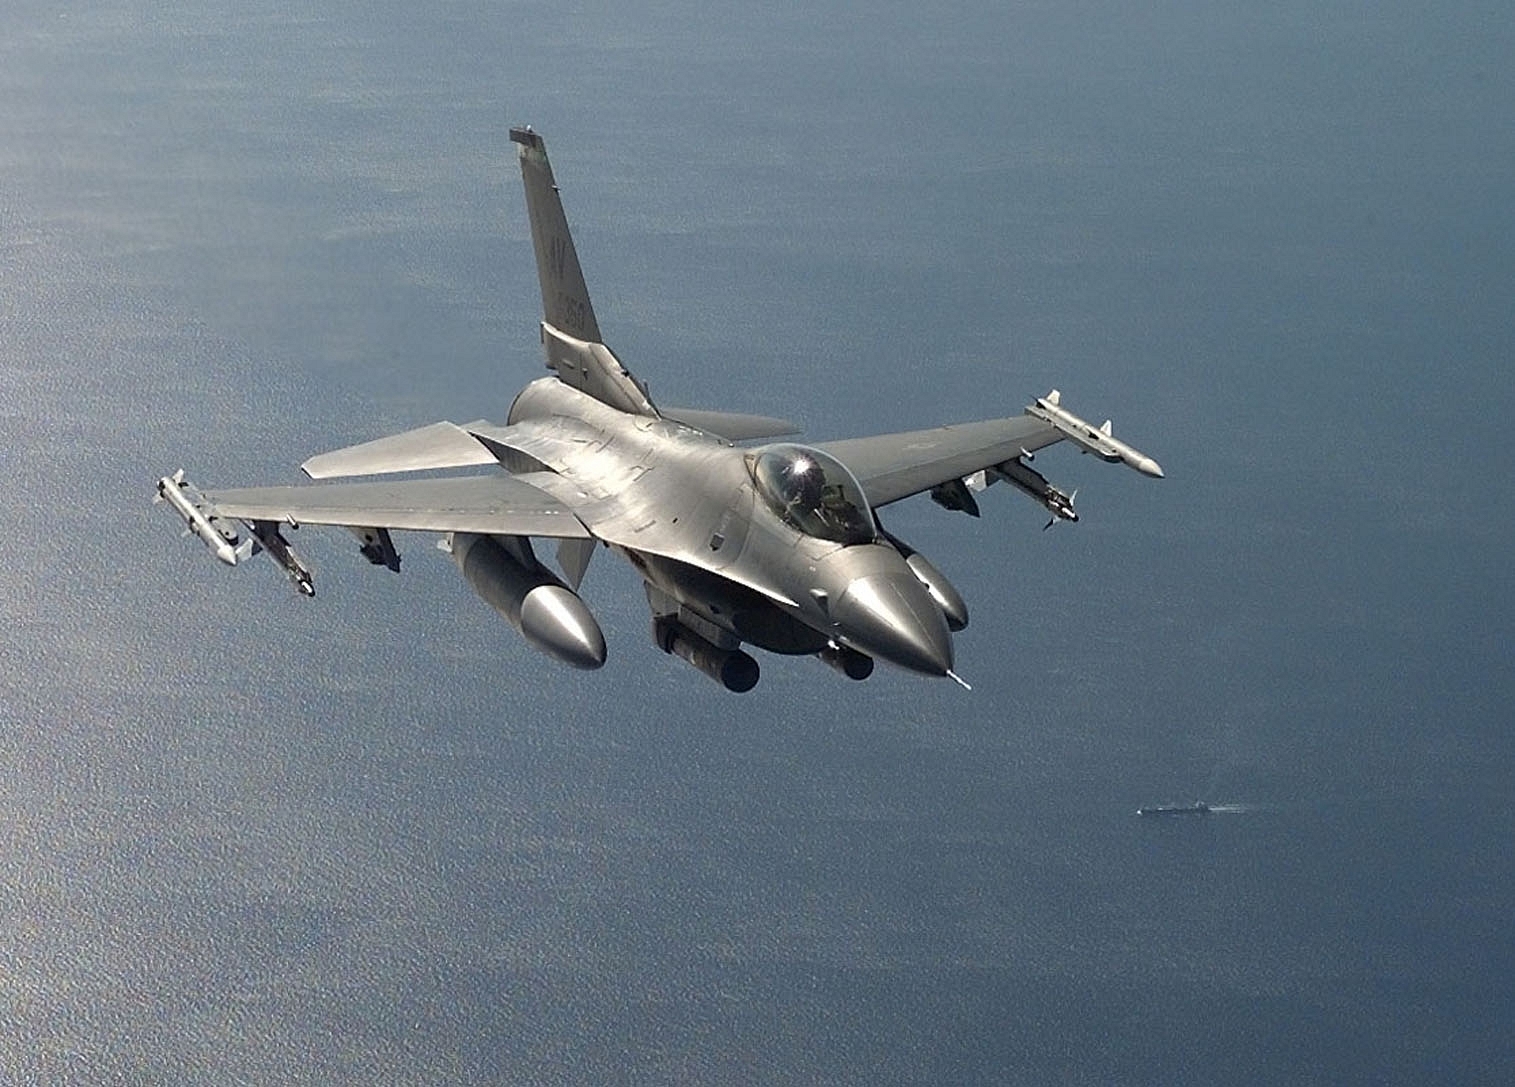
(731, 668)
(945, 595)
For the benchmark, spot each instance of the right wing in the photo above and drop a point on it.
(498, 504)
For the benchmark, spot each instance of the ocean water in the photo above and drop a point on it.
(373, 838)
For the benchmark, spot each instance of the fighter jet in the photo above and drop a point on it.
(776, 546)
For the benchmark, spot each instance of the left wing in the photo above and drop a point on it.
(496, 504)
(895, 466)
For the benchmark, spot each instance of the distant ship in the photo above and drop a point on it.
(1199, 807)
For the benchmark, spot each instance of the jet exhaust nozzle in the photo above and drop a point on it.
(731, 668)
(544, 611)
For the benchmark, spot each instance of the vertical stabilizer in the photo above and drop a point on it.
(565, 298)
(570, 333)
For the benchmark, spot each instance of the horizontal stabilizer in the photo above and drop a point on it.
(731, 425)
(441, 445)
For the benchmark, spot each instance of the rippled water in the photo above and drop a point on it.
(246, 837)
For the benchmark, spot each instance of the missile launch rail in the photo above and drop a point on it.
(224, 537)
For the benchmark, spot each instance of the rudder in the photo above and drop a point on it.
(570, 332)
(565, 296)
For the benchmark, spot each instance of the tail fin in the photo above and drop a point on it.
(565, 298)
(570, 333)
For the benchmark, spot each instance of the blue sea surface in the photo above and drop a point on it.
(373, 838)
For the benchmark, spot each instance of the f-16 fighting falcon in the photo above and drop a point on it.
(777, 546)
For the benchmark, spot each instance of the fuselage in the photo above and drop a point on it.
(688, 512)
(775, 546)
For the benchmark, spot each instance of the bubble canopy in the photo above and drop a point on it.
(813, 492)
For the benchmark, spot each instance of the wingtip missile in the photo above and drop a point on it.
(1100, 441)
(223, 540)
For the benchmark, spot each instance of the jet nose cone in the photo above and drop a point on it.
(892, 616)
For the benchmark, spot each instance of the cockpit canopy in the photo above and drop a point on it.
(813, 492)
